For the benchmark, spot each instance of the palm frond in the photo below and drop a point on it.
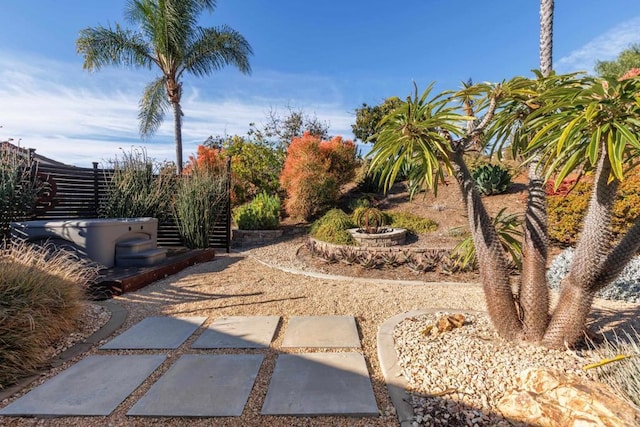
(102, 46)
(153, 106)
(215, 48)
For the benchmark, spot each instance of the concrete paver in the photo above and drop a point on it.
(94, 386)
(156, 333)
(322, 331)
(200, 385)
(238, 332)
(320, 384)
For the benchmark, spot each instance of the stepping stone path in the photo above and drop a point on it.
(214, 385)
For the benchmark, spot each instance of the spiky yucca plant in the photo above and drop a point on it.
(561, 123)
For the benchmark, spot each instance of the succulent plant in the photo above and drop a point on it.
(491, 179)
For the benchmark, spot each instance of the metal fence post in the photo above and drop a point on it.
(96, 189)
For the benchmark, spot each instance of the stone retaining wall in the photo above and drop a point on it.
(254, 237)
(318, 246)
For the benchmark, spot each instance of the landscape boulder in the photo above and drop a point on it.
(546, 397)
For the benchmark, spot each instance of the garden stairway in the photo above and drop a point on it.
(138, 253)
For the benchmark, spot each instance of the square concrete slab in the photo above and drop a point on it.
(94, 386)
(239, 332)
(199, 385)
(156, 333)
(320, 384)
(321, 331)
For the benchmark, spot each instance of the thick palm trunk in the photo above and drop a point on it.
(590, 256)
(177, 131)
(492, 261)
(534, 292)
(619, 257)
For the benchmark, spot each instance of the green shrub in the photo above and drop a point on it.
(42, 293)
(18, 188)
(567, 210)
(262, 213)
(139, 187)
(332, 228)
(565, 214)
(255, 167)
(413, 223)
(200, 199)
(491, 179)
(370, 220)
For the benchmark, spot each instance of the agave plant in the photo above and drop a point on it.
(491, 179)
(368, 261)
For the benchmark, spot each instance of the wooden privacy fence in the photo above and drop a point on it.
(74, 192)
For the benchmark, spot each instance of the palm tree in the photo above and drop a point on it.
(563, 122)
(535, 292)
(169, 38)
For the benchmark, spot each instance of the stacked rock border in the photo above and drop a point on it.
(418, 260)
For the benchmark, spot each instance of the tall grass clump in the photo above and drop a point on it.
(139, 187)
(262, 213)
(42, 294)
(19, 188)
(623, 375)
(199, 200)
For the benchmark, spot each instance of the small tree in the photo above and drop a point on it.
(313, 173)
(255, 166)
(562, 122)
(626, 60)
(368, 117)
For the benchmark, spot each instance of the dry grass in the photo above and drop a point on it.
(41, 295)
(623, 374)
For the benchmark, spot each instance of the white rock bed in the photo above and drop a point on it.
(457, 377)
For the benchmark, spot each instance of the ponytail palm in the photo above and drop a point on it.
(563, 123)
(167, 37)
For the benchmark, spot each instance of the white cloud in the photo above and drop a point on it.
(604, 47)
(74, 117)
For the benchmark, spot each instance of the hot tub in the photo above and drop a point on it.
(95, 238)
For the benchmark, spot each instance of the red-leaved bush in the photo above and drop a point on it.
(209, 158)
(313, 172)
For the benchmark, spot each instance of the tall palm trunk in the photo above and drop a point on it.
(534, 292)
(590, 257)
(492, 261)
(177, 132)
(546, 36)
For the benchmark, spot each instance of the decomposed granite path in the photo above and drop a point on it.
(215, 376)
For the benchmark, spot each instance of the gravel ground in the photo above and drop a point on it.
(240, 284)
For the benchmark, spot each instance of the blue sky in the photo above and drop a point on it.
(325, 57)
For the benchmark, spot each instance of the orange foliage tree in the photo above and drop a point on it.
(207, 157)
(313, 172)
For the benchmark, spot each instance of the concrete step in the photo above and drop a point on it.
(141, 259)
(134, 246)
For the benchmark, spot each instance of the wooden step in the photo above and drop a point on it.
(141, 259)
(129, 247)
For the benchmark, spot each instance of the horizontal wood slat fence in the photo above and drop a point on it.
(76, 193)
